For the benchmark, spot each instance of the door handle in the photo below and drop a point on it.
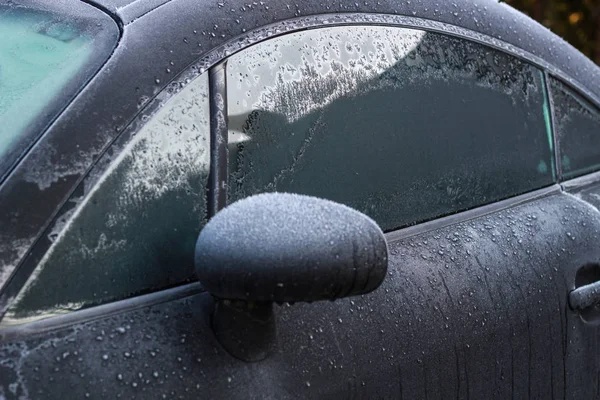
(585, 296)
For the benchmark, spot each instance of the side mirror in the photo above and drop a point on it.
(279, 247)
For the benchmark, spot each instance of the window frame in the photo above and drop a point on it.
(218, 56)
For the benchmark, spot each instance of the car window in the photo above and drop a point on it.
(401, 124)
(47, 52)
(577, 126)
(135, 230)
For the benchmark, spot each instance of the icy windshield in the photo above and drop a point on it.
(43, 55)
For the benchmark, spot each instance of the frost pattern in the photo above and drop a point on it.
(391, 121)
(315, 68)
(135, 231)
(11, 249)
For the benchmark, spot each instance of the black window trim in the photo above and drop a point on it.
(216, 57)
(219, 125)
(550, 99)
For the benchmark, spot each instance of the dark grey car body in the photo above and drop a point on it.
(475, 305)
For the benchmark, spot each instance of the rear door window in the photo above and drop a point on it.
(49, 49)
(401, 124)
(577, 125)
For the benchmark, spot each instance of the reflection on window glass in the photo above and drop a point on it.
(40, 53)
(136, 231)
(403, 125)
(577, 129)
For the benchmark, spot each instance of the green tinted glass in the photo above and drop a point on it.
(40, 53)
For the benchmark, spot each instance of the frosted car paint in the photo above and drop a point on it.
(474, 305)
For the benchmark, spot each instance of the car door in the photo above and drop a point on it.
(481, 259)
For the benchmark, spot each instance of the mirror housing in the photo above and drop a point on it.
(278, 247)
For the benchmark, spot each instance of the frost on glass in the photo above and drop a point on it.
(136, 231)
(578, 131)
(401, 124)
(39, 54)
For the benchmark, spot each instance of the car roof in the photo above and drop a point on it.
(489, 17)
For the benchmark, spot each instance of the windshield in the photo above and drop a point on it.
(47, 53)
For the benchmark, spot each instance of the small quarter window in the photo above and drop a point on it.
(577, 126)
(135, 230)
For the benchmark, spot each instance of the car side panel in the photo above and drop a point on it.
(157, 47)
(473, 310)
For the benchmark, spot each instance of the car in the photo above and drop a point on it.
(264, 199)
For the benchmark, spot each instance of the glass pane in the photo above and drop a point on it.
(403, 125)
(136, 231)
(42, 54)
(577, 130)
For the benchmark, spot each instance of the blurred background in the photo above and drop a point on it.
(577, 21)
